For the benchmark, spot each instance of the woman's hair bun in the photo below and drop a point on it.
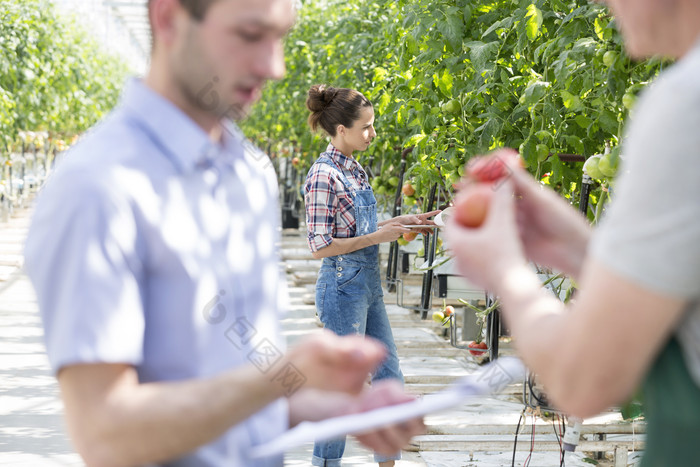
(320, 97)
(331, 107)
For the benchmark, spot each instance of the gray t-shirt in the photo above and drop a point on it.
(651, 233)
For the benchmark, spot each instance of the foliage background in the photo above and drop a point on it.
(456, 78)
(54, 78)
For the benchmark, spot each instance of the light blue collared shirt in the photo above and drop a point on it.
(153, 246)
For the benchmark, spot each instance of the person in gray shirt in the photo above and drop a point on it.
(636, 316)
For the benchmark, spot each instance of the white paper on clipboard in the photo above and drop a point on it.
(421, 226)
(490, 379)
(443, 216)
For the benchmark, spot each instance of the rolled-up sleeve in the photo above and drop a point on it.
(320, 200)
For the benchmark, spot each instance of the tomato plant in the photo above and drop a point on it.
(54, 78)
(458, 78)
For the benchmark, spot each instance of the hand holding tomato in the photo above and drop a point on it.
(483, 234)
(493, 167)
(483, 176)
(472, 204)
(547, 230)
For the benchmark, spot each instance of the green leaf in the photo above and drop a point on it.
(506, 23)
(608, 122)
(534, 21)
(480, 53)
(583, 121)
(528, 151)
(467, 15)
(575, 142)
(571, 102)
(534, 91)
(383, 103)
(380, 74)
(601, 29)
(414, 140)
(445, 83)
(453, 29)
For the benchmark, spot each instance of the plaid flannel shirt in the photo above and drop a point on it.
(330, 211)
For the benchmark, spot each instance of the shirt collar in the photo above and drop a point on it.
(348, 162)
(187, 143)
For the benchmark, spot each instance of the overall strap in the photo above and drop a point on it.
(325, 159)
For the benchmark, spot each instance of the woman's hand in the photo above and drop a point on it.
(389, 232)
(416, 219)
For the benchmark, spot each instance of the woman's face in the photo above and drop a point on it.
(360, 135)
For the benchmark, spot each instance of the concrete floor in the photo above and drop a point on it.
(32, 431)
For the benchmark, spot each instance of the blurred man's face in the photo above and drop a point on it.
(648, 26)
(222, 62)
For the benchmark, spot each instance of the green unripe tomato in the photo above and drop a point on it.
(590, 167)
(609, 58)
(608, 165)
(452, 107)
(542, 152)
(628, 100)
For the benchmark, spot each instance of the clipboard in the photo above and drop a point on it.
(490, 379)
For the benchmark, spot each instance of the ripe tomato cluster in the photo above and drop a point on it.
(442, 316)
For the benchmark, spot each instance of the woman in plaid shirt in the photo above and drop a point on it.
(341, 219)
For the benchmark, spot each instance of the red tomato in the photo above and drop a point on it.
(493, 166)
(472, 205)
(477, 348)
(410, 236)
(408, 190)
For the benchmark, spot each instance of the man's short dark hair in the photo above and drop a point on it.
(196, 8)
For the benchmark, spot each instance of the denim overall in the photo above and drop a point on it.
(349, 300)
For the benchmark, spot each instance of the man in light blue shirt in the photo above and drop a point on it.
(152, 252)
